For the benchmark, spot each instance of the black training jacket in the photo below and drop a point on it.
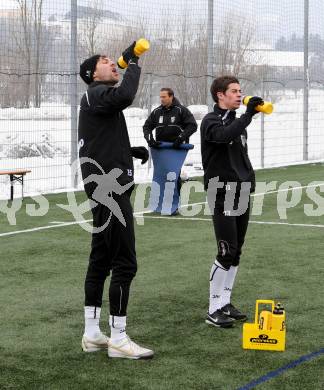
(224, 147)
(171, 122)
(102, 132)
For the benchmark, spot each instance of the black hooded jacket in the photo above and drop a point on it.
(102, 132)
(224, 148)
(170, 122)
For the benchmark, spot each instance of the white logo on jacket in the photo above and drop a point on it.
(172, 119)
(161, 119)
(81, 143)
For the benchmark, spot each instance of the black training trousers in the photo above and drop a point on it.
(230, 231)
(113, 250)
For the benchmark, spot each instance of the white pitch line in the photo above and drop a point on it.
(263, 193)
(44, 228)
(287, 189)
(256, 222)
(57, 225)
(150, 217)
(287, 224)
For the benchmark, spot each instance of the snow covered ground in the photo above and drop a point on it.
(39, 139)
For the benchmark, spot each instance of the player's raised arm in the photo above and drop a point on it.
(219, 130)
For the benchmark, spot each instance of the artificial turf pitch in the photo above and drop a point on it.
(41, 284)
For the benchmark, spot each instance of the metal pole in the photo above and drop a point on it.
(210, 53)
(149, 110)
(74, 88)
(262, 126)
(150, 89)
(306, 82)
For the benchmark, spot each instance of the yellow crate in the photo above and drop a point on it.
(268, 332)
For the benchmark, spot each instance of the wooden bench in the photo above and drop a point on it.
(15, 175)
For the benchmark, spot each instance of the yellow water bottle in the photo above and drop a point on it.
(142, 45)
(266, 107)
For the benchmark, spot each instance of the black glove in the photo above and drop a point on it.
(178, 141)
(151, 141)
(253, 102)
(141, 153)
(129, 54)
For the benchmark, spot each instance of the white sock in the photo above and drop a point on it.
(91, 321)
(117, 327)
(216, 286)
(228, 286)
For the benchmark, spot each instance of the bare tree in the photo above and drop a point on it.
(24, 44)
(177, 58)
(29, 42)
(37, 13)
(191, 62)
(234, 42)
(90, 38)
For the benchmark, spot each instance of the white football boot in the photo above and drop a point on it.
(127, 349)
(95, 344)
